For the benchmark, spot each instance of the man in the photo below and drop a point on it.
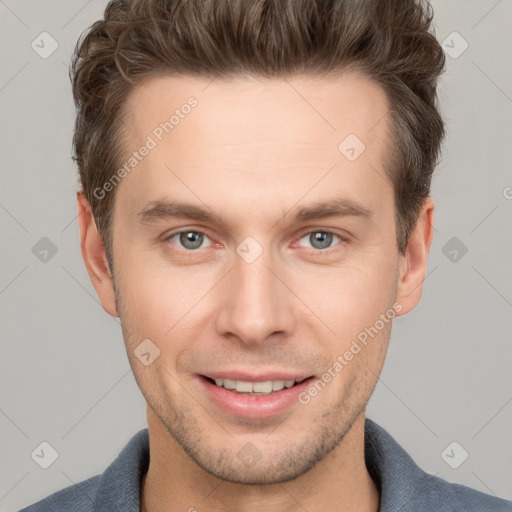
(255, 208)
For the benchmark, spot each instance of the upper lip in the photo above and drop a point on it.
(256, 377)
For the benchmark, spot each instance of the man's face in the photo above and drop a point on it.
(257, 293)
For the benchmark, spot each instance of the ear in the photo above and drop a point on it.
(94, 256)
(413, 264)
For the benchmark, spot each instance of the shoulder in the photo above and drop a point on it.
(117, 488)
(437, 494)
(404, 486)
(78, 497)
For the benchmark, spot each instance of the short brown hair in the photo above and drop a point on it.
(390, 41)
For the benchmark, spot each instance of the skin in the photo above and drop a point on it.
(254, 150)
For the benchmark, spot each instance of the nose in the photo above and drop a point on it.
(255, 302)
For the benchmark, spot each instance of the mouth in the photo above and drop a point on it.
(254, 388)
(244, 396)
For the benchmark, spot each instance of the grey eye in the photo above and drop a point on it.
(190, 239)
(320, 239)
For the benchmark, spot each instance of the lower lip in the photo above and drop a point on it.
(253, 406)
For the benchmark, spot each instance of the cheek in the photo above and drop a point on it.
(157, 300)
(348, 299)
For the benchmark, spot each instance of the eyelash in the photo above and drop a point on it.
(310, 250)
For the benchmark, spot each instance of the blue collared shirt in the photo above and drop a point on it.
(403, 486)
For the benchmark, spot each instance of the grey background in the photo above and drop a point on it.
(65, 378)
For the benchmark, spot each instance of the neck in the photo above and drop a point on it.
(174, 482)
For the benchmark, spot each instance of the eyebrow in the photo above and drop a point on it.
(165, 209)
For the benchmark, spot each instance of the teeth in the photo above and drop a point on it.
(244, 387)
(263, 388)
(228, 384)
(277, 385)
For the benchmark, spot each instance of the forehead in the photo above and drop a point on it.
(250, 108)
(253, 134)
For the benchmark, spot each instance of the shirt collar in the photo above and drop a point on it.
(119, 488)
